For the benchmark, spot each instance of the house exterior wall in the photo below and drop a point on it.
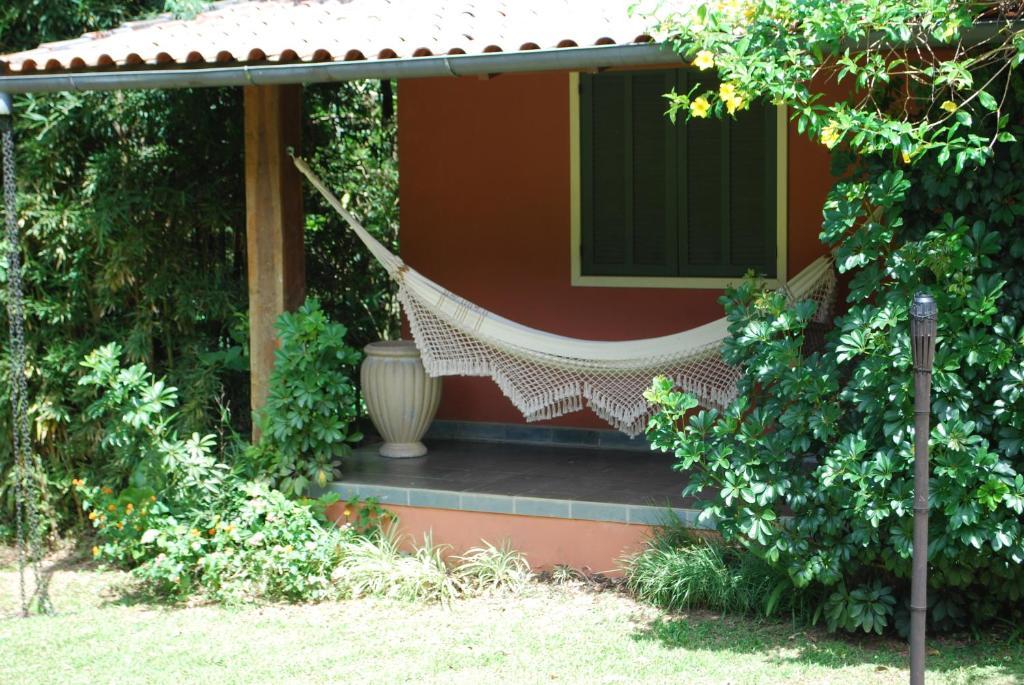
(593, 546)
(484, 174)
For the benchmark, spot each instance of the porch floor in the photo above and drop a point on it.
(626, 486)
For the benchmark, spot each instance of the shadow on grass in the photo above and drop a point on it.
(781, 643)
(131, 593)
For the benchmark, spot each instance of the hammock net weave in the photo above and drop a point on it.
(547, 375)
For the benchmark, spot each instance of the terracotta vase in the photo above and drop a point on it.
(401, 398)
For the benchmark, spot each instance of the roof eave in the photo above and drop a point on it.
(554, 59)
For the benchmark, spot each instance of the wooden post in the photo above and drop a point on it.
(274, 222)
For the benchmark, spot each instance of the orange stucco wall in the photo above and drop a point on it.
(597, 546)
(484, 192)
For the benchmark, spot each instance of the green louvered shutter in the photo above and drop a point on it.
(627, 179)
(752, 193)
(696, 199)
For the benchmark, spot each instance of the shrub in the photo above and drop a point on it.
(680, 571)
(256, 544)
(306, 424)
(135, 237)
(248, 543)
(136, 433)
(180, 519)
(812, 466)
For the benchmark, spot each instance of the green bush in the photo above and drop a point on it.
(812, 466)
(246, 542)
(180, 518)
(133, 214)
(138, 440)
(306, 425)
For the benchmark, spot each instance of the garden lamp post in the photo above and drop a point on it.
(923, 315)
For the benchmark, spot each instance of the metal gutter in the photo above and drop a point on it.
(320, 72)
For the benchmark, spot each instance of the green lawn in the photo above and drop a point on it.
(551, 634)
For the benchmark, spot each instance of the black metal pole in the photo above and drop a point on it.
(923, 315)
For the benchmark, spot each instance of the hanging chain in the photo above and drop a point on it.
(29, 491)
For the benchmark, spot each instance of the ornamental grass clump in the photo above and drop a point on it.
(678, 571)
(376, 566)
(490, 568)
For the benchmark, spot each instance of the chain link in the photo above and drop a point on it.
(30, 491)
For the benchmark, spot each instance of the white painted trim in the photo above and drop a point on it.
(575, 230)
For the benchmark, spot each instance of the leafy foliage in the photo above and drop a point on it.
(811, 467)
(306, 424)
(184, 522)
(137, 436)
(245, 543)
(132, 206)
(907, 79)
(377, 566)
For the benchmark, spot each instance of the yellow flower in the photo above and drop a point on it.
(152, 498)
(733, 100)
(704, 60)
(120, 525)
(212, 532)
(734, 103)
(230, 528)
(111, 507)
(699, 107)
(194, 532)
(830, 137)
(78, 482)
(347, 511)
(730, 7)
(95, 551)
(129, 508)
(949, 106)
(93, 515)
(106, 491)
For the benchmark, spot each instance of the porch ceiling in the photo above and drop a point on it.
(234, 32)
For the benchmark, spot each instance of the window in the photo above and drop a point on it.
(695, 204)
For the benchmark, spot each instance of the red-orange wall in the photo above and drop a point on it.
(484, 192)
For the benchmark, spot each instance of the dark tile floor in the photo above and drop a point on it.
(555, 472)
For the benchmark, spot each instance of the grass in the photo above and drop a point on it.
(571, 632)
(679, 571)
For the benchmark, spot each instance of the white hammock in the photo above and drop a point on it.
(547, 375)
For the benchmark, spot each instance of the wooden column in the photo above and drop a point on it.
(274, 221)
